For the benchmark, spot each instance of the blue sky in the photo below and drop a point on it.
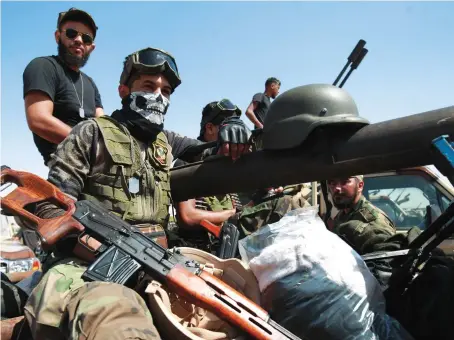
(228, 49)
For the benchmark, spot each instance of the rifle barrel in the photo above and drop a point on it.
(389, 145)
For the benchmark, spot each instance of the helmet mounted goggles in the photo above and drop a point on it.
(151, 61)
(224, 109)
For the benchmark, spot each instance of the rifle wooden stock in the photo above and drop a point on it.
(211, 293)
(32, 189)
(394, 144)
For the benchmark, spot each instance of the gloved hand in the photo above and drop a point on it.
(233, 138)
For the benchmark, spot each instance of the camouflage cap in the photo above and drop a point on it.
(77, 15)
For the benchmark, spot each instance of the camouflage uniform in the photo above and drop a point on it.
(200, 238)
(216, 203)
(364, 227)
(63, 306)
(252, 218)
(249, 218)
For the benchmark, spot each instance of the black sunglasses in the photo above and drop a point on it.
(72, 34)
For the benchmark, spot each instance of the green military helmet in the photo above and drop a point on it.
(297, 112)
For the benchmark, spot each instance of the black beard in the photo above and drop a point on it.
(346, 202)
(71, 59)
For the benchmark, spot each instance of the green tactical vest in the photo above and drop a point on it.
(218, 203)
(146, 199)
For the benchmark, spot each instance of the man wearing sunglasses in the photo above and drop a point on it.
(122, 162)
(57, 94)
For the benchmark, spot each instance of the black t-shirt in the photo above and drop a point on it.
(51, 76)
(263, 104)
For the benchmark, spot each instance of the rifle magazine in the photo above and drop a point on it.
(229, 241)
(113, 265)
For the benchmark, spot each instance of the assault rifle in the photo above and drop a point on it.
(125, 250)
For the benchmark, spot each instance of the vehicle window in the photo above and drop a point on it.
(404, 198)
(445, 202)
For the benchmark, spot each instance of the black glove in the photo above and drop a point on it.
(233, 130)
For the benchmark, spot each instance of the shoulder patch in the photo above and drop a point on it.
(161, 152)
(368, 215)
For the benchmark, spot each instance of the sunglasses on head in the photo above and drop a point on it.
(71, 33)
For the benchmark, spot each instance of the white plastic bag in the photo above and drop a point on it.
(314, 283)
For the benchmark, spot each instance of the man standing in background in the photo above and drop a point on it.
(260, 103)
(57, 94)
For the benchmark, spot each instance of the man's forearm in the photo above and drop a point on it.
(254, 119)
(197, 215)
(51, 129)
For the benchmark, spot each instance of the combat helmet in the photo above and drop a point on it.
(297, 112)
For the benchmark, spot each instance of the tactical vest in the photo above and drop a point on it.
(215, 203)
(135, 189)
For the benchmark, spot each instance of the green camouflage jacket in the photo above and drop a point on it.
(364, 227)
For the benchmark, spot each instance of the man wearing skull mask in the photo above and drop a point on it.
(122, 162)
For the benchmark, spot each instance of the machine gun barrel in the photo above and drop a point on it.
(328, 152)
(356, 56)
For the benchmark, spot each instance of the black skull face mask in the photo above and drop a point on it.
(150, 106)
(143, 114)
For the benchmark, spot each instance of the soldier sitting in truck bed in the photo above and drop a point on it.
(222, 208)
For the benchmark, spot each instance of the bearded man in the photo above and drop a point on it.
(57, 94)
(362, 225)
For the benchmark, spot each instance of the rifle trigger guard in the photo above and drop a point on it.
(85, 244)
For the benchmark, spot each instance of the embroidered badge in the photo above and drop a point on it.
(160, 154)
